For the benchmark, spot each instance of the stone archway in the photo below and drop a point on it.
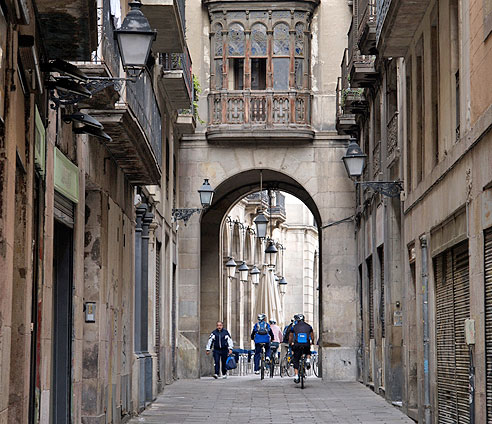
(314, 174)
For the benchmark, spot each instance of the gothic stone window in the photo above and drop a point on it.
(260, 50)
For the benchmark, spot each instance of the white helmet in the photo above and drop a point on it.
(261, 317)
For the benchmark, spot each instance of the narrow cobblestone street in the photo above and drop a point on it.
(250, 400)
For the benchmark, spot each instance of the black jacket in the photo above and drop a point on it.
(220, 340)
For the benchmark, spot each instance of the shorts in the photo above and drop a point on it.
(299, 350)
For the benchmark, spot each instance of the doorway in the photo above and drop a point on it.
(62, 322)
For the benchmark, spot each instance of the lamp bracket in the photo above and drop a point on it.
(94, 85)
(184, 214)
(386, 188)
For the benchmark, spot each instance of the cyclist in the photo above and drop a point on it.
(301, 338)
(277, 337)
(262, 334)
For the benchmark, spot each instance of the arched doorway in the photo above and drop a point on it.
(227, 194)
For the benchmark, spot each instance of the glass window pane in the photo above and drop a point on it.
(218, 74)
(281, 73)
(281, 40)
(258, 40)
(218, 40)
(236, 40)
(299, 40)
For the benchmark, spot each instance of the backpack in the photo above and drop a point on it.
(262, 328)
(302, 332)
(231, 363)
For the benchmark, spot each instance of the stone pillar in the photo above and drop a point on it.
(144, 323)
(140, 212)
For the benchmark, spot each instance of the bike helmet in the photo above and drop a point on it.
(300, 317)
(272, 321)
(261, 317)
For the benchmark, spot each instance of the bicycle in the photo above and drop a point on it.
(286, 364)
(262, 361)
(302, 370)
(274, 358)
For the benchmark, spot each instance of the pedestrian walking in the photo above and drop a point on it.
(221, 342)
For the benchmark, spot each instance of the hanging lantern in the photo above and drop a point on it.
(255, 275)
(282, 285)
(271, 254)
(261, 223)
(243, 271)
(231, 268)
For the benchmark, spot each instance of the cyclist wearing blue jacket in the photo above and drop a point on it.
(301, 338)
(262, 334)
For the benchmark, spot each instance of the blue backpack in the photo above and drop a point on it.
(231, 363)
(261, 335)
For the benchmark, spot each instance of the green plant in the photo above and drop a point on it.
(355, 92)
(197, 89)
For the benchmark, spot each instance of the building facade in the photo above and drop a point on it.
(88, 257)
(414, 92)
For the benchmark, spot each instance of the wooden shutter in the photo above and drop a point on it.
(452, 308)
(488, 320)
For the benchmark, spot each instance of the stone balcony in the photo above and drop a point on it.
(346, 122)
(366, 39)
(260, 116)
(168, 18)
(175, 80)
(361, 68)
(396, 23)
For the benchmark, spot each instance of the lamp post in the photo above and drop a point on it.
(354, 161)
(243, 272)
(231, 268)
(282, 286)
(206, 193)
(134, 39)
(261, 223)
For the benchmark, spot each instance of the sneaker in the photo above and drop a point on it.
(216, 376)
(224, 376)
(257, 372)
(308, 363)
(296, 380)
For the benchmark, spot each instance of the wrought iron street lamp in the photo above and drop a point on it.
(135, 37)
(231, 267)
(354, 161)
(271, 254)
(243, 271)
(206, 193)
(255, 275)
(282, 285)
(261, 223)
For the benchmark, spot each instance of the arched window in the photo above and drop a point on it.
(258, 40)
(281, 59)
(235, 52)
(299, 55)
(236, 40)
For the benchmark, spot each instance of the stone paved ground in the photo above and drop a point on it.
(247, 399)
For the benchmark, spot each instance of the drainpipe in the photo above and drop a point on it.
(425, 289)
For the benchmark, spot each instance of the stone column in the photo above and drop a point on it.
(147, 377)
(140, 212)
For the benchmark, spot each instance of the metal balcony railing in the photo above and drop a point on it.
(179, 62)
(382, 7)
(181, 4)
(268, 109)
(108, 47)
(142, 101)
(366, 14)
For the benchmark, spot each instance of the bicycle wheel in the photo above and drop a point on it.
(272, 367)
(301, 372)
(262, 366)
(315, 365)
(283, 366)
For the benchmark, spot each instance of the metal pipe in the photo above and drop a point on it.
(425, 307)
